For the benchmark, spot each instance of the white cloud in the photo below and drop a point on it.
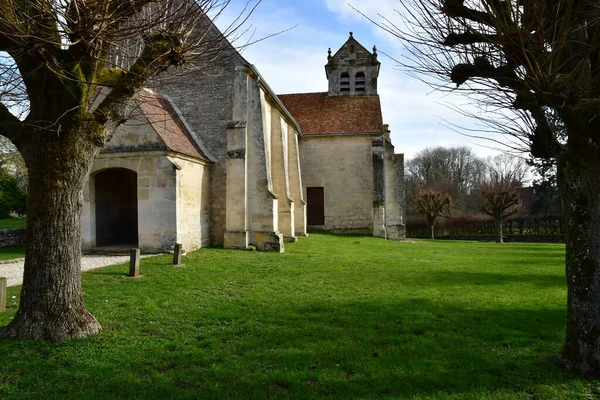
(343, 8)
(376, 10)
(293, 62)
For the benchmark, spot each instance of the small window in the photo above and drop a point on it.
(359, 82)
(345, 82)
(351, 49)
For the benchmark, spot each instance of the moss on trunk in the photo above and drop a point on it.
(51, 305)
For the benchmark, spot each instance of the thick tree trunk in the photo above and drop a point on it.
(51, 305)
(579, 182)
(499, 233)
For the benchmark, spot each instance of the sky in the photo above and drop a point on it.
(293, 62)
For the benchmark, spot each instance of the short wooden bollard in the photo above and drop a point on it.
(178, 254)
(2, 294)
(134, 263)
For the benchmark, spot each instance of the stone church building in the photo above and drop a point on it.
(222, 160)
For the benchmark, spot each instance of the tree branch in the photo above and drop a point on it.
(457, 9)
(455, 39)
(9, 124)
(160, 52)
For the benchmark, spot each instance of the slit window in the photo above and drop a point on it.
(359, 82)
(345, 82)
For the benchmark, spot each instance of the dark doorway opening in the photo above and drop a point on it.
(315, 206)
(116, 208)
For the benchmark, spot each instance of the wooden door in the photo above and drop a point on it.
(315, 206)
(116, 208)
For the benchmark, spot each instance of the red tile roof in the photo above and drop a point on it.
(318, 113)
(168, 125)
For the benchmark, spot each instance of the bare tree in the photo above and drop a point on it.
(522, 58)
(499, 195)
(456, 168)
(64, 89)
(434, 201)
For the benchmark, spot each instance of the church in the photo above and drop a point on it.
(222, 160)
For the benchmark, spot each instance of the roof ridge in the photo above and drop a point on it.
(290, 94)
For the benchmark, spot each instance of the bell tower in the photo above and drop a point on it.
(352, 70)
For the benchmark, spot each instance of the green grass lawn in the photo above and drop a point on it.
(335, 317)
(13, 223)
(8, 253)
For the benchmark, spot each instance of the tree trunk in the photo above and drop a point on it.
(51, 305)
(498, 226)
(430, 227)
(579, 182)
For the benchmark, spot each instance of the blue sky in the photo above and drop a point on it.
(293, 62)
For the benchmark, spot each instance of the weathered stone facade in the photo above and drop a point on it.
(170, 191)
(255, 188)
(343, 166)
(221, 160)
(347, 156)
(352, 59)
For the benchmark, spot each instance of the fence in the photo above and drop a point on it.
(547, 229)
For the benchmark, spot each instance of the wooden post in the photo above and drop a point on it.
(134, 263)
(178, 254)
(2, 294)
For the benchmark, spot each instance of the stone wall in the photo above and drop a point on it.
(156, 194)
(134, 135)
(343, 166)
(193, 208)
(394, 194)
(352, 58)
(12, 237)
(206, 103)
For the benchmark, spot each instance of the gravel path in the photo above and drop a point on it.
(14, 271)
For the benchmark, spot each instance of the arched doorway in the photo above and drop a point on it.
(116, 208)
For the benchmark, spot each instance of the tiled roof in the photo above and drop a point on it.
(168, 125)
(318, 113)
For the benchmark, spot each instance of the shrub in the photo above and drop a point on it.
(12, 198)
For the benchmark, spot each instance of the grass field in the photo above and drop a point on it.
(333, 317)
(13, 223)
(8, 253)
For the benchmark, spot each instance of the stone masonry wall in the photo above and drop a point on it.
(206, 102)
(193, 217)
(343, 166)
(394, 194)
(134, 135)
(156, 195)
(352, 58)
(12, 237)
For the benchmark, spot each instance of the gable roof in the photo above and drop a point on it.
(352, 41)
(318, 113)
(166, 122)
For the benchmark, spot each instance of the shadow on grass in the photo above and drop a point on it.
(354, 349)
(339, 234)
(460, 278)
(253, 325)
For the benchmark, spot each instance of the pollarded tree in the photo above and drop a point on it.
(529, 57)
(434, 201)
(499, 195)
(55, 73)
